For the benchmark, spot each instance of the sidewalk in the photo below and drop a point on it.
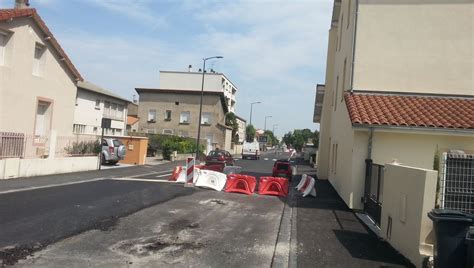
(328, 234)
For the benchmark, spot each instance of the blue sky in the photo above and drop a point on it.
(274, 50)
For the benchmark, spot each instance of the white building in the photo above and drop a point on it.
(94, 103)
(213, 81)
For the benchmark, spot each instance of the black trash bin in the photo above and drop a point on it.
(470, 247)
(450, 228)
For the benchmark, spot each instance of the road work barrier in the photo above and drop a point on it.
(190, 171)
(306, 186)
(176, 172)
(211, 179)
(273, 186)
(238, 183)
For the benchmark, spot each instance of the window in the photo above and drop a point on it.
(335, 92)
(168, 115)
(120, 109)
(343, 82)
(106, 107)
(348, 13)
(38, 60)
(97, 104)
(152, 115)
(118, 132)
(184, 118)
(79, 129)
(95, 130)
(168, 131)
(43, 118)
(206, 119)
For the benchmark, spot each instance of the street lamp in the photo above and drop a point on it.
(265, 126)
(251, 106)
(200, 104)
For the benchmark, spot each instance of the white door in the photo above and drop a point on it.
(209, 140)
(40, 119)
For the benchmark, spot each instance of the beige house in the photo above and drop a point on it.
(37, 79)
(176, 112)
(399, 85)
(94, 103)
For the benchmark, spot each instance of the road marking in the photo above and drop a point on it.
(266, 159)
(137, 179)
(274, 159)
(164, 175)
(78, 182)
(50, 186)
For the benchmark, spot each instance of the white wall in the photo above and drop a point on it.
(408, 195)
(38, 167)
(87, 114)
(19, 88)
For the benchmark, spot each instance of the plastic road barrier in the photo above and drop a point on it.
(238, 183)
(302, 182)
(190, 170)
(176, 172)
(273, 186)
(232, 170)
(211, 179)
(450, 228)
(308, 187)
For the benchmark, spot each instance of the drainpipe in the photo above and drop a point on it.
(354, 44)
(369, 147)
(368, 167)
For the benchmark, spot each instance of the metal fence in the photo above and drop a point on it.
(457, 182)
(20, 145)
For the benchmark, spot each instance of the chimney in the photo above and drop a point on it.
(22, 4)
(190, 68)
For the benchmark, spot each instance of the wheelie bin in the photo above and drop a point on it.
(450, 228)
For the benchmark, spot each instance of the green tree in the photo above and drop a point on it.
(231, 121)
(299, 137)
(250, 130)
(272, 140)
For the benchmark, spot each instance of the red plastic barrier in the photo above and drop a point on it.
(175, 174)
(218, 168)
(273, 186)
(238, 183)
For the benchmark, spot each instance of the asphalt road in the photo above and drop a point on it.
(38, 212)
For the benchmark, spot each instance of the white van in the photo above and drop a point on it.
(251, 150)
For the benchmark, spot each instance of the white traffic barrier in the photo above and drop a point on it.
(232, 170)
(211, 179)
(309, 189)
(302, 182)
(189, 171)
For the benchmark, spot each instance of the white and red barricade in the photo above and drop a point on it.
(306, 186)
(190, 172)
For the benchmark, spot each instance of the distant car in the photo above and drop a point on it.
(282, 168)
(251, 150)
(219, 157)
(113, 151)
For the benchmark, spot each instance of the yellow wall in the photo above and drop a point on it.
(415, 46)
(136, 150)
(408, 195)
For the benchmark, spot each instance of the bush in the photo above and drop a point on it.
(168, 144)
(83, 148)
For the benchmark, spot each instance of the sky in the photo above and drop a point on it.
(274, 50)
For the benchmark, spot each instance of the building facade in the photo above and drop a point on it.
(37, 79)
(213, 81)
(94, 103)
(176, 112)
(399, 85)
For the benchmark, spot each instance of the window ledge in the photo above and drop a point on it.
(183, 123)
(167, 119)
(151, 121)
(206, 124)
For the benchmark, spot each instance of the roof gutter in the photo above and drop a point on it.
(469, 132)
(354, 44)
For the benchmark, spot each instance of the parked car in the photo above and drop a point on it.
(251, 150)
(282, 168)
(113, 151)
(219, 157)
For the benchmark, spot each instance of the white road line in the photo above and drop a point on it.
(265, 159)
(145, 180)
(77, 182)
(274, 159)
(164, 175)
(50, 186)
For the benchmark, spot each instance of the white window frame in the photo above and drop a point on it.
(97, 104)
(152, 115)
(185, 117)
(3, 45)
(206, 120)
(166, 115)
(167, 131)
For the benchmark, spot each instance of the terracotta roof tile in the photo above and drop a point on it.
(6, 14)
(410, 110)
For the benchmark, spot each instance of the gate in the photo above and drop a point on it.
(373, 190)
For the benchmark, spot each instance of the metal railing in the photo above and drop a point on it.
(456, 182)
(19, 145)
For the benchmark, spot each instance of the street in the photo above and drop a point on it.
(134, 217)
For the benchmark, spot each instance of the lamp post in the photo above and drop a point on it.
(251, 106)
(200, 104)
(265, 126)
